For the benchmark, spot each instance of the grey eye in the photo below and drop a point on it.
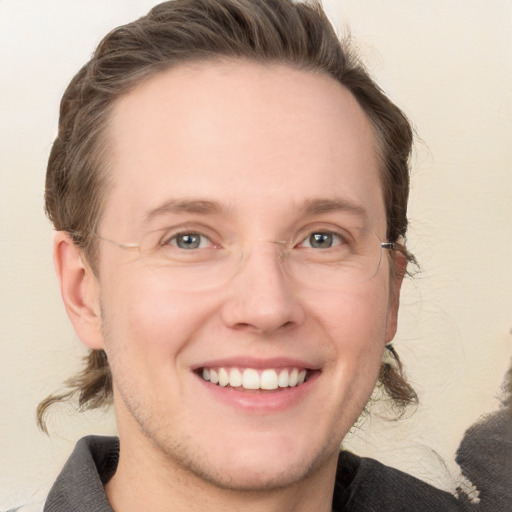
(322, 240)
(188, 241)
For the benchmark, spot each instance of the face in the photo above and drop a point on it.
(240, 153)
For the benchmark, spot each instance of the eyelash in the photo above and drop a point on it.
(168, 240)
(338, 238)
(335, 236)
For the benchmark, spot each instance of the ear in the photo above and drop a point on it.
(79, 289)
(396, 278)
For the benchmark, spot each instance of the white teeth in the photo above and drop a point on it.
(268, 379)
(250, 379)
(283, 379)
(235, 378)
(214, 377)
(223, 377)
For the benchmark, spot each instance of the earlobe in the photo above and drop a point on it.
(79, 290)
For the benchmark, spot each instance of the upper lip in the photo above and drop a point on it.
(256, 363)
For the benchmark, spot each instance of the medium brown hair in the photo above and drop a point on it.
(267, 31)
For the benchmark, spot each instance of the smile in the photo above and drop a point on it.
(252, 379)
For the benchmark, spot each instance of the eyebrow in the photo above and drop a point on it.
(319, 206)
(174, 206)
(204, 207)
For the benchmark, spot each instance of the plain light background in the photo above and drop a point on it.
(447, 63)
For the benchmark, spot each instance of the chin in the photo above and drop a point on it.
(252, 467)
(254, 476)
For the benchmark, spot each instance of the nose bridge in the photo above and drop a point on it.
(262, 296)
(272, 249)
(265, 259)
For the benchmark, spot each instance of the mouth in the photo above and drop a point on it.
(252, 379)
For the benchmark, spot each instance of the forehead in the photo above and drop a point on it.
(244, 134)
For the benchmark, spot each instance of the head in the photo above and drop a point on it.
(214, 46)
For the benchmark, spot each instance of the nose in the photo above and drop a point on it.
(261, 297)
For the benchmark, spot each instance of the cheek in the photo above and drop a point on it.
(356, 318)
(355, 323)
(354, 329)
(145, 321)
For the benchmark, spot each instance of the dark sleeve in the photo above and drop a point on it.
(366, 485)
(485, 459)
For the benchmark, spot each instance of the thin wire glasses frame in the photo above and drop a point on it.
(200, 268)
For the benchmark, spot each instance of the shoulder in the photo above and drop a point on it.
(364, 484)
(79, 486)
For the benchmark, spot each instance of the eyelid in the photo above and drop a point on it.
(173, 240)
(337, 239)
(174, 231)
(167, 233)
(307, 231)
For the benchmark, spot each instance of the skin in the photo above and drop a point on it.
(261, 141)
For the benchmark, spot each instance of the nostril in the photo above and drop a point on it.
(242, 326)
(258, 327)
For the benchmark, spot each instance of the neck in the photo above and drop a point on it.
(147, 480)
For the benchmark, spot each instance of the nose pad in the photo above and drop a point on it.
(262, 296)
(278, 246)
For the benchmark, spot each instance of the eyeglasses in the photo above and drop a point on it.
(319, 258)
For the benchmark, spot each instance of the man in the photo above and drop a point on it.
(229, 190)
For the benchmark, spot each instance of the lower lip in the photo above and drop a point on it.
(261, 401)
